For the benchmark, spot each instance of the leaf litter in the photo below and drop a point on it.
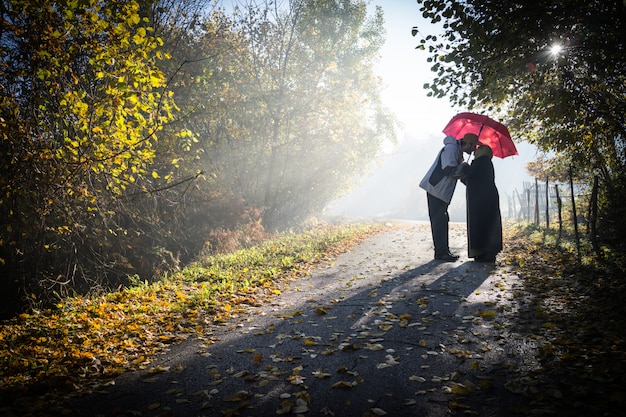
(536, 314)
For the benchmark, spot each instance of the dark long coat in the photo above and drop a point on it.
(484, 223)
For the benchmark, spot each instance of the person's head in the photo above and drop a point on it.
(469, 142)
(483, 150)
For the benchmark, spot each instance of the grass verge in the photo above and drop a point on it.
(87, 338)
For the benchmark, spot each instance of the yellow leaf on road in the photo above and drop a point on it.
(343, 384)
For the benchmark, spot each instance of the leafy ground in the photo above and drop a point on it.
(46, 353)
(575, 310)
(572, 309)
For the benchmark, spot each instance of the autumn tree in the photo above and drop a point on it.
(312, 118)
(103, 176)
(81, 106)
(227, 74)
(553, 69)
(190, 202)
(283, 106)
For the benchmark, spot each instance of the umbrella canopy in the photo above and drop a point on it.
(489, 132)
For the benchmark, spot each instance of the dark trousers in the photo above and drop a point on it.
(439, 219)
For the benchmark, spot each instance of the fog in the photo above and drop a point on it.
(391, 189)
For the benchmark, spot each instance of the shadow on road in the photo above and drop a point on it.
(381, 330)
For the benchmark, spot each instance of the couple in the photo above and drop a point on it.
(484, 224)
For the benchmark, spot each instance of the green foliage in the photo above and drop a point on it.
(262, 265)
(569, 101)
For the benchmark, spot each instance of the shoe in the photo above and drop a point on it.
(448, 257)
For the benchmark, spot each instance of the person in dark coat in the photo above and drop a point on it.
(484, 222)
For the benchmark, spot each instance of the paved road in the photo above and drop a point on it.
(383, 330)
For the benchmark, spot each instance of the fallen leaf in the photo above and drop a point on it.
(385, 326)
(321, 311)
(309, 342)
(348, 347)
(488, 315)
(374, 346)
(158, 369)
(343, 384)
(238, 396)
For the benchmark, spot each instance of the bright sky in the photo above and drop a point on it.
(405, 70)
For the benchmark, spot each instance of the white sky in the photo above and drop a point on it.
(405, 70)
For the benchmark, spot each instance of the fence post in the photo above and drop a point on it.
(547, 204)
(559, 204)
(571, 186)
(594, 216)
(536, 201)
(519, 215)
(528, 204)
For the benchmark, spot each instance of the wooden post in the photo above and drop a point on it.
(571, 186)
(559, 204)
(594, 216)
(528, 204)
(519, 214)
(547, 204)
(536, 201)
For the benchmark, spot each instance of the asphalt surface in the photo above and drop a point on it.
(382, 330)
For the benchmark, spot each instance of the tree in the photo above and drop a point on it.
(269, 85)
(313, 114)
(105, 176)
(554, 69)
(81, 105)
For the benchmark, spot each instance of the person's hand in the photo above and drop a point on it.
(458, 172)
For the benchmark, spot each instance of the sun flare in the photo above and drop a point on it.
(556, 49)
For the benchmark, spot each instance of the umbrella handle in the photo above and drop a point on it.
(480, 131)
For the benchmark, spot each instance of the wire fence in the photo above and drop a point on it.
(557, 204)
(543, 203)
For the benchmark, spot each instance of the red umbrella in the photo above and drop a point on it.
(489, 132)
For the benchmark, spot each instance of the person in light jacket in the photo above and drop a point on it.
(439, 183)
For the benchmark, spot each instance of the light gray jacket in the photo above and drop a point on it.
(451, 159)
